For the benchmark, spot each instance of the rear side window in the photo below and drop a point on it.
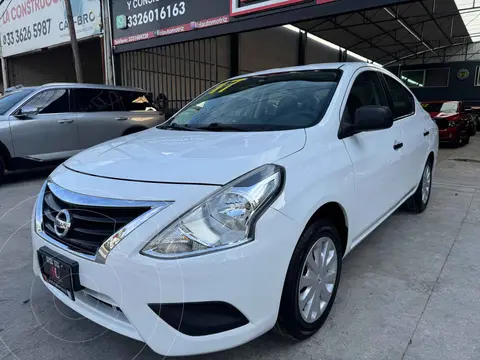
(50, 101)
(402, 101)
(366, 90)
(96, 100)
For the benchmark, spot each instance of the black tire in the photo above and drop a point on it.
(2, 168)
(290, 321)
(472, 130)
(467, 140)
(477, 122)
(471, 125)
(416, 203)
(457, 142)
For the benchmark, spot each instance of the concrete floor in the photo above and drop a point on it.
(409, 291)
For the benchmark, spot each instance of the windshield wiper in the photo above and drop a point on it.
(174, 126)
(220, 127)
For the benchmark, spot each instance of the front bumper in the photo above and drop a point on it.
(117, 294)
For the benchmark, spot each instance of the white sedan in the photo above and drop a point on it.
(234, 216)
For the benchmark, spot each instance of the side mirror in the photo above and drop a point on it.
(368, 118)
(28, 111)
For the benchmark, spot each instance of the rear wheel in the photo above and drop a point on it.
(418, 202)
(311, 282)
(457, 141)
(467, 140)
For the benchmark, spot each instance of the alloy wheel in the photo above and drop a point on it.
(426, 183)
(317, 280)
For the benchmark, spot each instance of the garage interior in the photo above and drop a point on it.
(56, 65)
(413, 35)
(421, 32)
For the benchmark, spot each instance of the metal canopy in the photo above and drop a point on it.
(430, 31)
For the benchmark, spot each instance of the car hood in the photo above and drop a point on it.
(195, 157)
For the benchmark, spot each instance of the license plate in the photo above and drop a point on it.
(59, 271)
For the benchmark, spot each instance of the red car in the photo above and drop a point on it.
(454, 124)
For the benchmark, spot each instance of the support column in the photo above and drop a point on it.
(234, 55)
(302, 47)
(107, 44)
(4, 74)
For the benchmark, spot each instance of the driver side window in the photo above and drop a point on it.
(366, 90)
(50, 101)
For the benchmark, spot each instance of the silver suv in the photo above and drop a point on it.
(50, 123)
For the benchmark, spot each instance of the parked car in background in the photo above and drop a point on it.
(234, 216)
(49, 123)
(454, 123)
(475, 110)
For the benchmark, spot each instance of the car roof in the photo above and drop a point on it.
(325, 66)
(23, 88)
(89, 86)
(439, 101)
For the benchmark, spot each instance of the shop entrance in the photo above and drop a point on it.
(178, 71)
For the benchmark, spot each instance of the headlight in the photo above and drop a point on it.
(224, 220)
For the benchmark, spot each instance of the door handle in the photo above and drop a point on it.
(426, 133)
(121, 118)
(65, 121)
(397, 145)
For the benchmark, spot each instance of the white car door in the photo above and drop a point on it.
(376, 156)
(415, 124)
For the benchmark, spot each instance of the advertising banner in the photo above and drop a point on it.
(28, 25)
(136, 20)
(242, 7)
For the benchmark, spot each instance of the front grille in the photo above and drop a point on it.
(90, 225)
(442, 123)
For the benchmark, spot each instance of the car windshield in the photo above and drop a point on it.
(448, 107)
(279, 101)
(10, 99)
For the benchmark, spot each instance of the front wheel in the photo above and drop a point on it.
(418, 202)
(311, 282)
(457, 141)
(473, 129)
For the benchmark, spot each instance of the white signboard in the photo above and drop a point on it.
(28, 25)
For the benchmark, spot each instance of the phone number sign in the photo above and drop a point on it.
(136, 20)
(29, 25)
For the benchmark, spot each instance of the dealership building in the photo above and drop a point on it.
(181, 48)
(35, 41)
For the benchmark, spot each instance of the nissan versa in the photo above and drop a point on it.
(233, 217)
